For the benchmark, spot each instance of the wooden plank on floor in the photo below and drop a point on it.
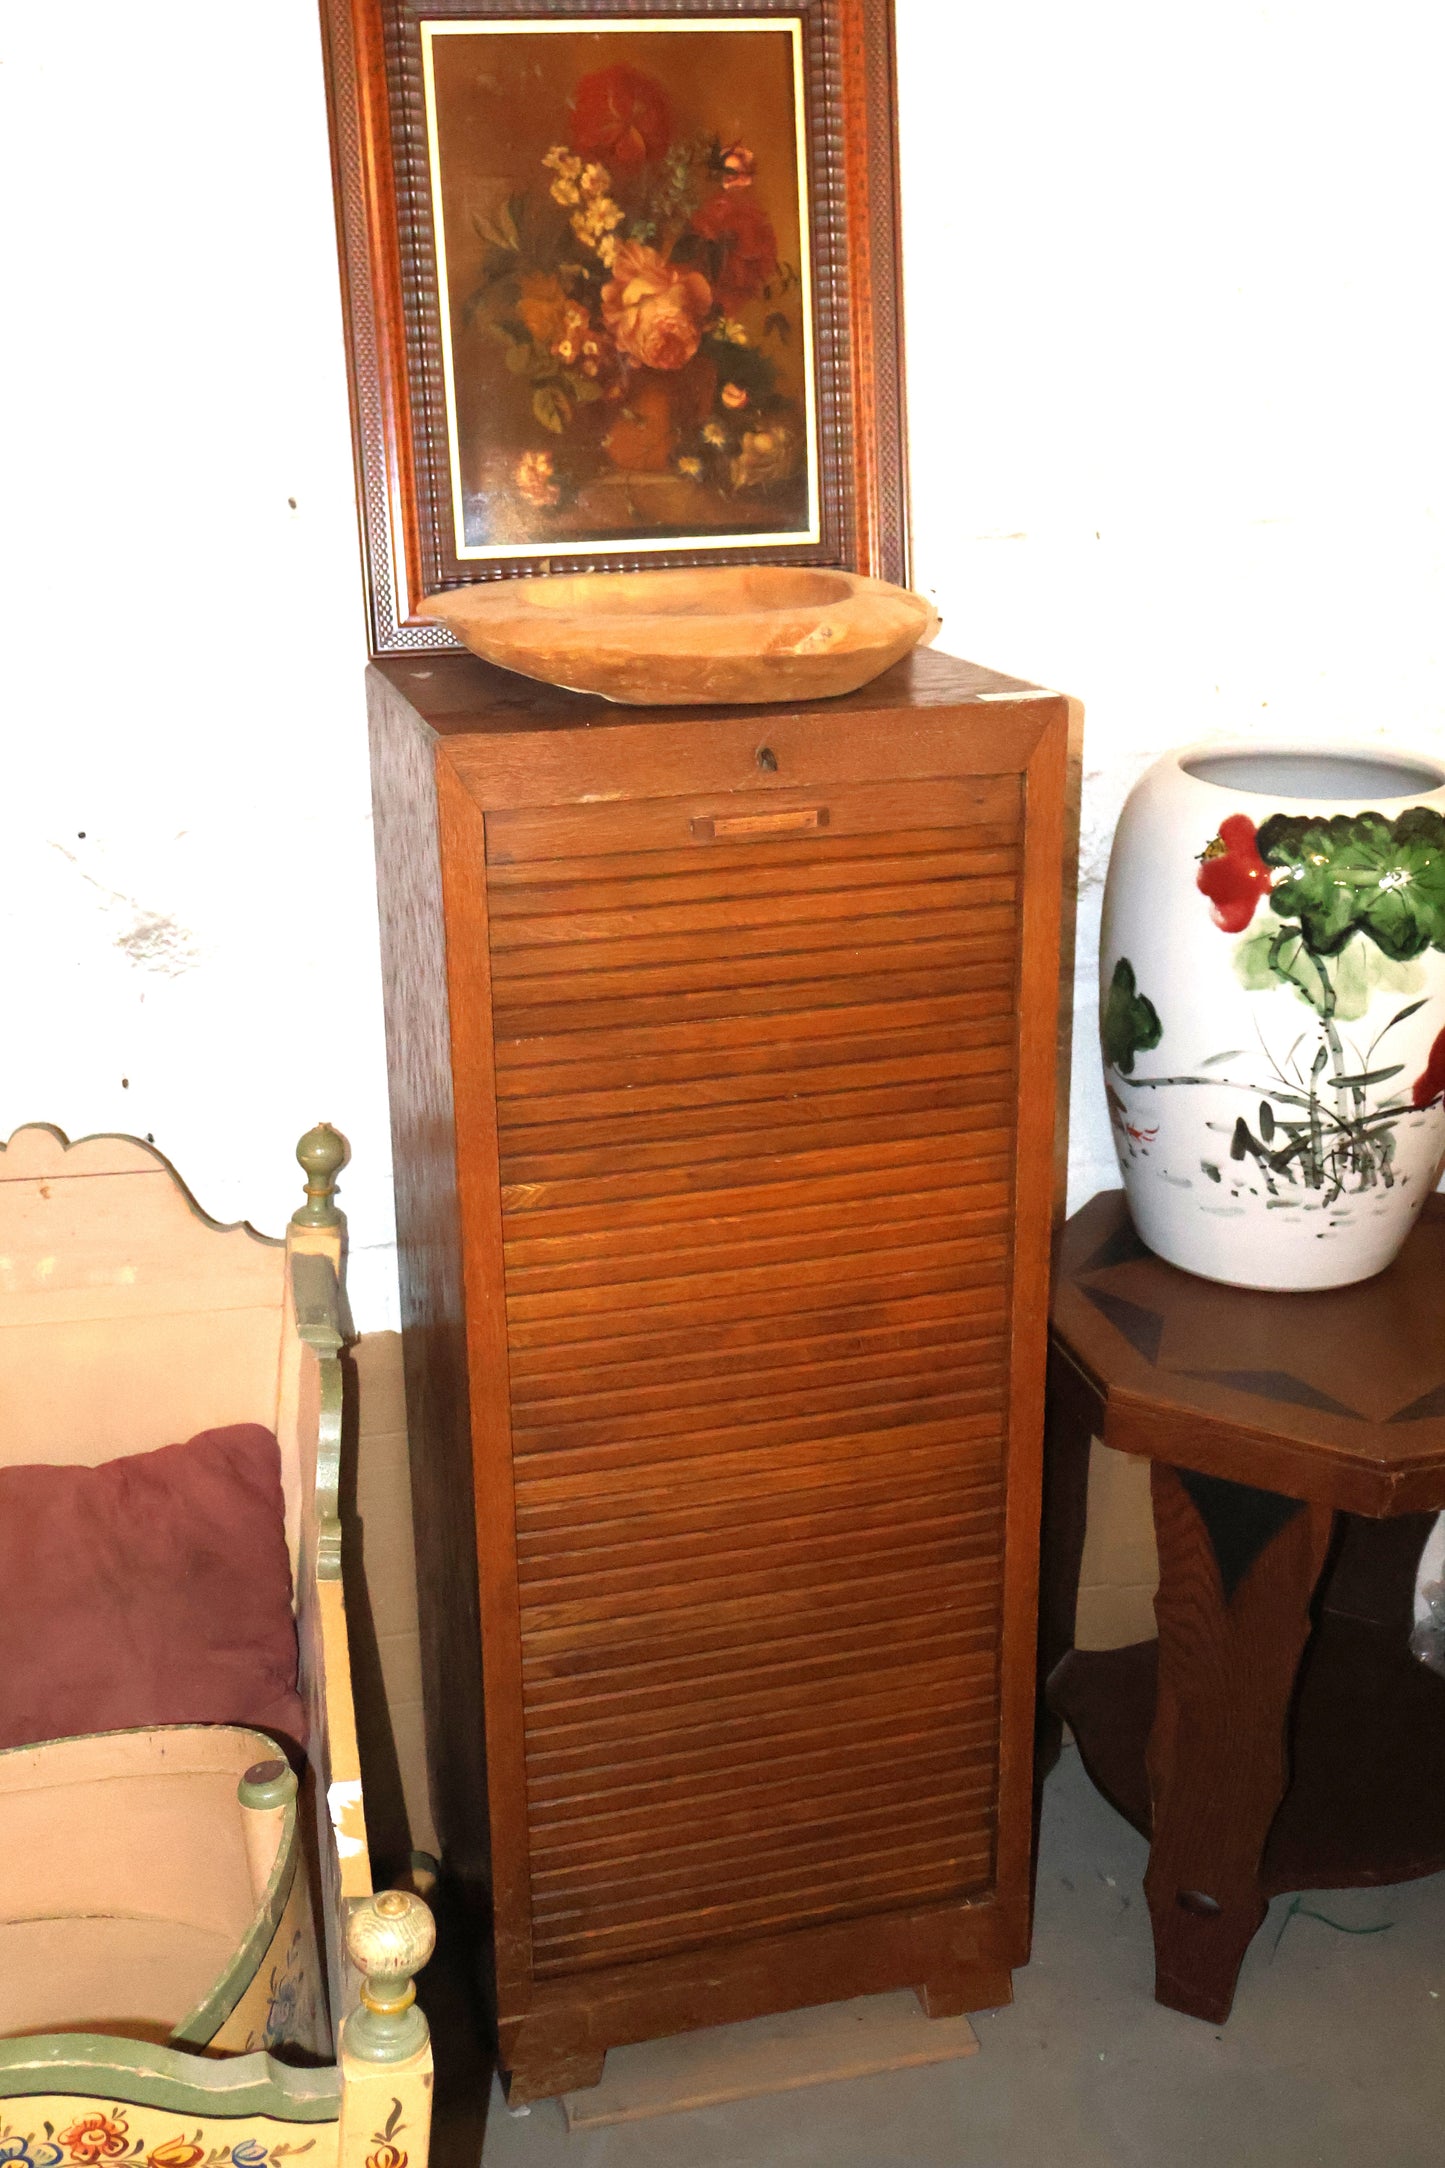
(768, 2055)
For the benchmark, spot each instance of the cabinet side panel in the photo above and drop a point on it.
(463, 858)
(1040, 930)
(413, 949)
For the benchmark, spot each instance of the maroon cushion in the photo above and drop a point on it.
(151, 1590)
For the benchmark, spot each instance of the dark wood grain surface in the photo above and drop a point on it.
(1338, 1397)
(462, 696)
(1275, 1737)
(754, 1162)
(1217, 1755)
(433, 1310)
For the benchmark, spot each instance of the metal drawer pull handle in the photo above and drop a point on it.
(711, 827)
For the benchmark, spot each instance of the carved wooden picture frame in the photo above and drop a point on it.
(621, 288)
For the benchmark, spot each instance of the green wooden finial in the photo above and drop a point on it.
(267, 1784)
(388, 1938)
(323, 1152)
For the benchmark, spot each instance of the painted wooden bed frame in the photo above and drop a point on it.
(129, 1319)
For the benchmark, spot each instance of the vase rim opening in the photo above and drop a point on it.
(1300, 772)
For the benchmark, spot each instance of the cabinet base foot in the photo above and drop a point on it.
(543, 2077)
(973, 1987)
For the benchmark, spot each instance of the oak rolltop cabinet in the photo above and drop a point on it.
(722, 1069)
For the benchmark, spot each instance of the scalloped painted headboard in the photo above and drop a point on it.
(128, 1318)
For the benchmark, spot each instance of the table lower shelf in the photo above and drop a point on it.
(1367, 1754)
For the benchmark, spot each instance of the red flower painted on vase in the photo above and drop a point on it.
(621, 117)
(1430, 1083)
(1232, 874)
(747, 245)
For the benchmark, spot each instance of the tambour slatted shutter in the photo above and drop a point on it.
(825, 1439)
(752, 1114)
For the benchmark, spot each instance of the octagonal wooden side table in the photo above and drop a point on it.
(1279, 1735)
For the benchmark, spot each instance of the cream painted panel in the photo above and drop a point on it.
(166, 1845)
(124, 1246)
(80, 1392)
(135, 1977)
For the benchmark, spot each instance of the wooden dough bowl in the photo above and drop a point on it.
(719, 633)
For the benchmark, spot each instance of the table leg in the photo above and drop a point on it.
(1237, 1569)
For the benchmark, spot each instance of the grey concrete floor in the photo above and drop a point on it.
(1334, 2056)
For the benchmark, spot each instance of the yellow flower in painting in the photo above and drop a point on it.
(734, 396)
(714, 433)
(689, 467)
(576, 183)
(594, 222)
(567, 167)
(567, 345)
(734, 333)
(766, 455)
(536, 480)
(174, 2153)
(386, 2156)
(544, 308)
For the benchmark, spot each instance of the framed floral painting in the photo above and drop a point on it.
(621, 286)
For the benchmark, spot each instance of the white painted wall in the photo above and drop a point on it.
(1174, 313)
(185, 868)
(1174, 287)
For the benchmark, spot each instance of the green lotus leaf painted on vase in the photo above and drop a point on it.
(1360, 873)
(1128, 1022)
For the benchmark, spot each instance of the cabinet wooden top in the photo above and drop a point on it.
(460, 696)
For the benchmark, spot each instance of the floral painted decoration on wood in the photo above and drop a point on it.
(96, 2138)
(291, 1997)
(388, 2153)
(1350, 896)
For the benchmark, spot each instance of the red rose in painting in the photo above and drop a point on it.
(653, 309)
(1232, 874)
(1430, 1083)
(749, 246)
(620, 117)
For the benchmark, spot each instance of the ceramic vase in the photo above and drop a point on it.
(1272, 1009)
